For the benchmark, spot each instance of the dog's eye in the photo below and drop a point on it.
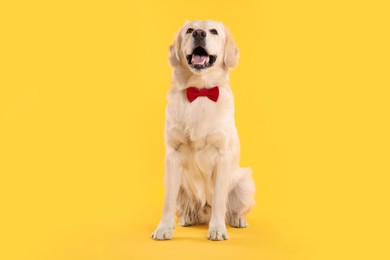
(190, 30)
(213, 31)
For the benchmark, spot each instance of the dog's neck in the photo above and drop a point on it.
(184, 78)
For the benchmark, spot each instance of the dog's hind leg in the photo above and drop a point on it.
(241, 200)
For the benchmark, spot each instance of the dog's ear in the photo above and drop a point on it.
(231, 51)
(174, 49)
(174, 57)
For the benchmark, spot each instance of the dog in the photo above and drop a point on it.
(204, 183)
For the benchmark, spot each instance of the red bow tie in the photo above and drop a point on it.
(193, 93)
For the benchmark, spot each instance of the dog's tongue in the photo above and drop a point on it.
(199, 60)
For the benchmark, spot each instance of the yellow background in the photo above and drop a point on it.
(82, 95)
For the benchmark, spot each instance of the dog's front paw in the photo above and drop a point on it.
(162, 233)
(238, 222)
(217, 233)
(164, 230)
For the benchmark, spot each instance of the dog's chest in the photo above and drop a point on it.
(200, 118)
(201, 121)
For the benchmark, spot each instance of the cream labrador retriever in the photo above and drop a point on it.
(203, 180)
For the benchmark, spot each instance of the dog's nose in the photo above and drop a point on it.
(199, 34)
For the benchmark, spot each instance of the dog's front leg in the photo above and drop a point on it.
(217, 226)
(173, 171)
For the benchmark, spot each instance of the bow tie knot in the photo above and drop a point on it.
(193, 93)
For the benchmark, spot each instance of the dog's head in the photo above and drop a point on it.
(203, 45)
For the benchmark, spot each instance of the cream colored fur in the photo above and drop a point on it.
(203, 180)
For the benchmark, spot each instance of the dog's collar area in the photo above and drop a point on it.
(211, 93)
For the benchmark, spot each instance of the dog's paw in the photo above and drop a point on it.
(238, 222)
(218, 233)
(164, 230)
(162, 233)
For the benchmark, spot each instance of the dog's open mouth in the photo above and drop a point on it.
(200, 59)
